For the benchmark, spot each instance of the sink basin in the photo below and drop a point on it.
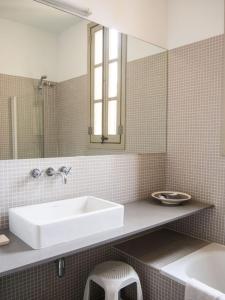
(47, 224)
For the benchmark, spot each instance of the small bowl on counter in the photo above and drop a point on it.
(171, 197)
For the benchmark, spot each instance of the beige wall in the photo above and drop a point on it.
(72, 48)
(190, 21)
(150, 17)
(167, 23)
(27, 51)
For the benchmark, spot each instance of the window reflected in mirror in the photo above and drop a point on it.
(107, 86)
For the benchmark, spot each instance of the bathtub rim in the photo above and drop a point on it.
(166, 270)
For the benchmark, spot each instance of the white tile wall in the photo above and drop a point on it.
(120, 178)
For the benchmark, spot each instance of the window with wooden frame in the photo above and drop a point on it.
(107, 67)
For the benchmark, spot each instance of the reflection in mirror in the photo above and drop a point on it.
(70, 87)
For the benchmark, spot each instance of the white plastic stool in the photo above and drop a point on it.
(112, 276)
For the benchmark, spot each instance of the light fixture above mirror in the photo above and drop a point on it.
(69, 8)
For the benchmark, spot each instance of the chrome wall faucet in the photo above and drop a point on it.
(63, 172)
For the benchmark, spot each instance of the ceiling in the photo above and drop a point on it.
(37, 15)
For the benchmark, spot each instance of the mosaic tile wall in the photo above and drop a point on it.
(194, 161)
(122, 179)
(146, 104)
(72, 111)
(10, 86)
(42, 283)
(154, 285)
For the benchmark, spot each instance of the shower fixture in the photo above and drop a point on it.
(42, 82)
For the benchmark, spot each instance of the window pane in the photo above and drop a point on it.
(113, 43)
(113, 79)
(98, 46)
(98, 118)
(112, 117)
(98, 83)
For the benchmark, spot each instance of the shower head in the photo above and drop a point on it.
(40, 83)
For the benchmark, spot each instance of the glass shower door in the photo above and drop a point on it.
(27, 126)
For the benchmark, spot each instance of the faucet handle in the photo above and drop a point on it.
(36, 173)
(65, 170)
(50, 171)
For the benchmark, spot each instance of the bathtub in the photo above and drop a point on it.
(206, 265)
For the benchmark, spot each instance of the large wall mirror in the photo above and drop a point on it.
(72, 87)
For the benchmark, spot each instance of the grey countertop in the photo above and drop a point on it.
(139, 216)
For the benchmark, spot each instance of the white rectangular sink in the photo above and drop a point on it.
(47, 224)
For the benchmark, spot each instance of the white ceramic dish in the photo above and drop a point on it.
(51, 223)
(174, 198)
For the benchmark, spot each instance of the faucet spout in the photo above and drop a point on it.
(63, 175)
